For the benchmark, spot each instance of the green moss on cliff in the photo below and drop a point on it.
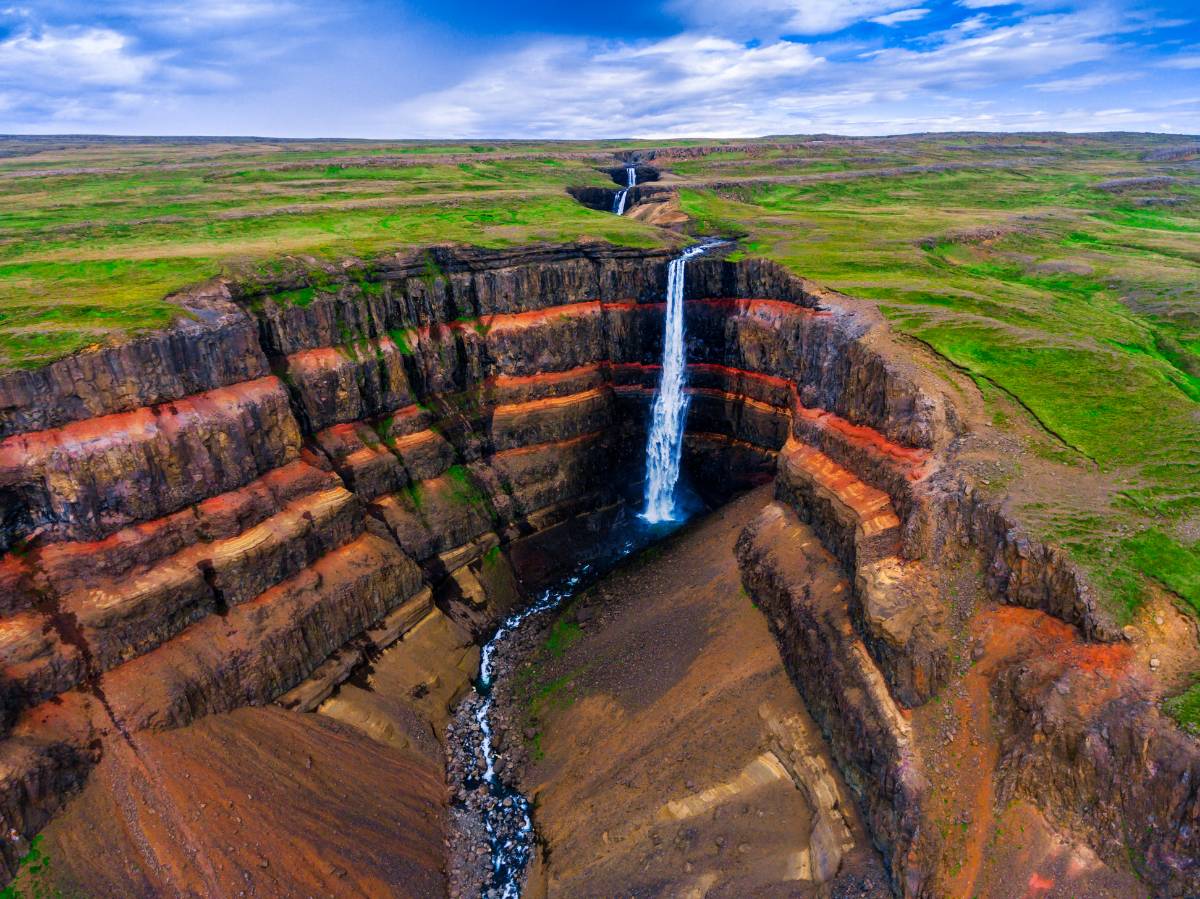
(1185, 709)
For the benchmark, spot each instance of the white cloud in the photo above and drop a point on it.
(90, 56)
(774, 17)
(1035, 46)
(1085, 82)
(186, 15)
(903, 15)
(233, 11)
(972, 23)
(573, 87)
(1187, 61)
(961, 77)
(189, 20)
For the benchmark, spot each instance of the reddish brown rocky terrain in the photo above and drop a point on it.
(296, 497)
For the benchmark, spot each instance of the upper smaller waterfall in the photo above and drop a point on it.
(630, 181)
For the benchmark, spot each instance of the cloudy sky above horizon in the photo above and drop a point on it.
(584, 69)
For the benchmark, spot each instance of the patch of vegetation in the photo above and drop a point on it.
(400, 339)
(302, 297)
(462, 488)
(1175, 566)
(33, 880)
(563, 634)
(432, 273)
(1185, 709)
(555, 693)
(542, 697)
(415, 493)
(383, 429)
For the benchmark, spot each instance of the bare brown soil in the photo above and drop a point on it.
(258, 802)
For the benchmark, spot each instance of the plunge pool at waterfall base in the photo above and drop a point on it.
(493, 836)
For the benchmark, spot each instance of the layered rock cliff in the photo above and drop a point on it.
(220, 514)
(312, 473)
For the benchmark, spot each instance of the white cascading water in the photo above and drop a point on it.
(630, 181)
(665, 443)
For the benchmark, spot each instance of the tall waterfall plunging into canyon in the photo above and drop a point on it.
(630, 181)
(665, 442)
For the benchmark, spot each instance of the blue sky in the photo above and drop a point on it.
(584, 69)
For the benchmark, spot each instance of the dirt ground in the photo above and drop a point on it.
(257, 802)
(649, 726)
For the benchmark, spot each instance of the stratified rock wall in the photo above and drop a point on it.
(218, 514)
(255, 503)
(212, 346)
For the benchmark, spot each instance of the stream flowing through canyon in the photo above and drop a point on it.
(492, 818)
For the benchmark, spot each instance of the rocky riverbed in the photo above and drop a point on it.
(492, 837)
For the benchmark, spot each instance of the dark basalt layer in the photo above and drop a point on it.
(645, 173)
(604, 198)
(255, 505)
(213, 347)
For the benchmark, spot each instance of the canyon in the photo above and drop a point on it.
(255, 554)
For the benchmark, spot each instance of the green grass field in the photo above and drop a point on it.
(93, 239)
(1072, 301)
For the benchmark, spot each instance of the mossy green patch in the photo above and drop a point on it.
(33, 879)
(1171, 563)
(462, 488)
(400, 339)
(563, 633)
(1185, 709)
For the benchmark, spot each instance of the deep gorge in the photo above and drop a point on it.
(343, 472)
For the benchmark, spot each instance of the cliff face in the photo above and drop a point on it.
(246, 508)
(219, 515)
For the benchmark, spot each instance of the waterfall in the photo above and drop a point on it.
(665, 443)
(630, 181)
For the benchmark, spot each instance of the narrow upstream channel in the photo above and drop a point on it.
(490, 816)
(630, 182)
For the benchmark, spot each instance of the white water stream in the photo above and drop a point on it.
(665, 442)
(506, 814)
(630, 181)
